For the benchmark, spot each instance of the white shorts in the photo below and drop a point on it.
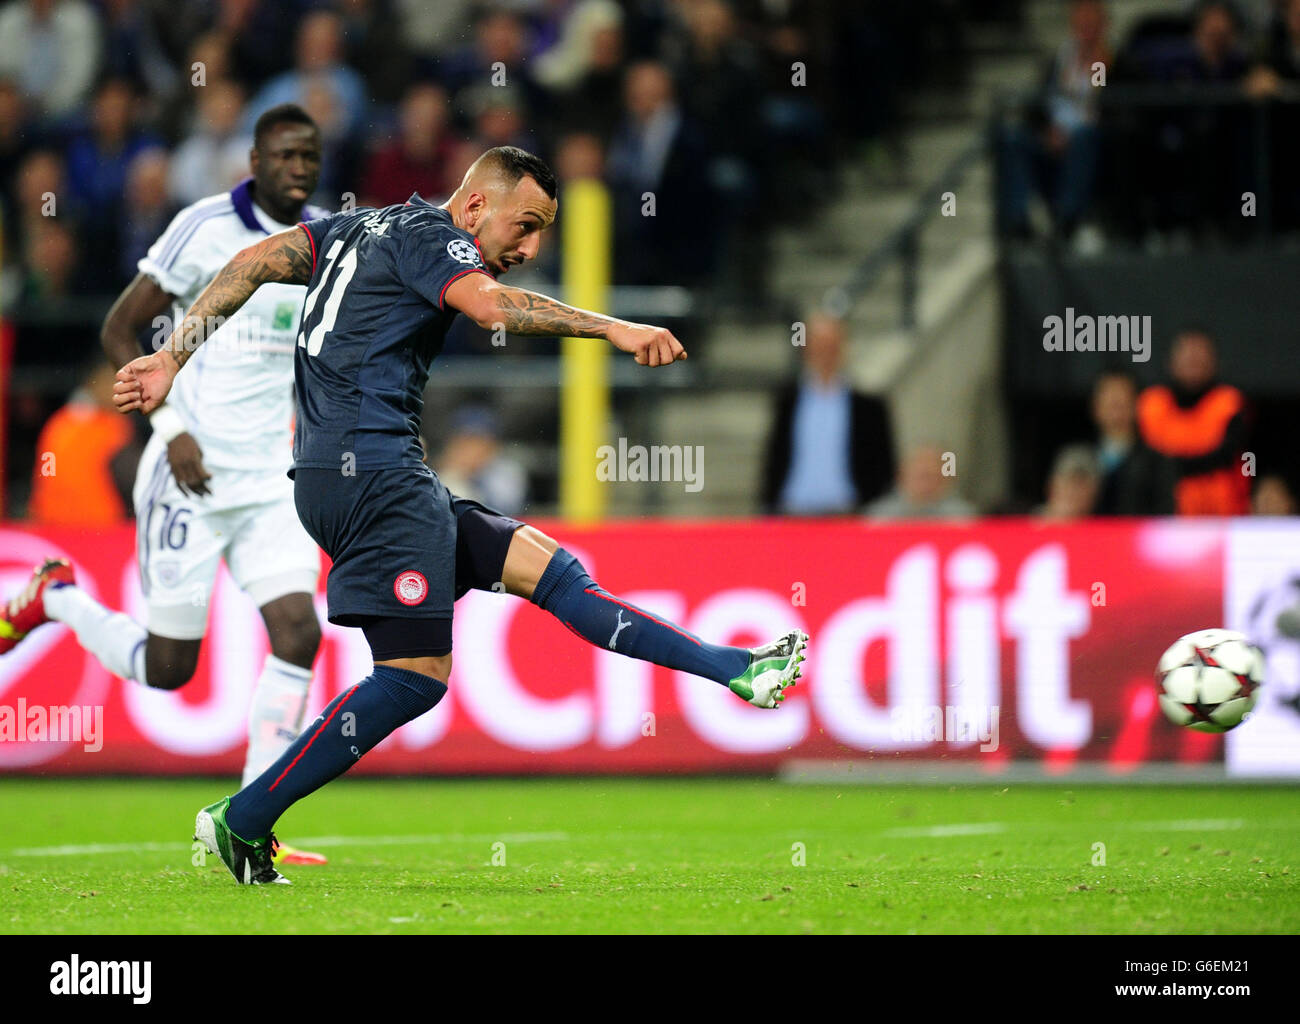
(249, 519)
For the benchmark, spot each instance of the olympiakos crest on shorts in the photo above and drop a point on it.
(411, 587)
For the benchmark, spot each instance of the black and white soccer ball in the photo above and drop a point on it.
(1208, 680)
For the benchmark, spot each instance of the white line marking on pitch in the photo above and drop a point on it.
(994, 827)
(1190, 825)
(939, 831)
(89, 849)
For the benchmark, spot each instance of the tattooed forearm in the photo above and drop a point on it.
(524, 312)
(284, 258)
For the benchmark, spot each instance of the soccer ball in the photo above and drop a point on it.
(1207, 680)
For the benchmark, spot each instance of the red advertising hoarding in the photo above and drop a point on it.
(987, 642)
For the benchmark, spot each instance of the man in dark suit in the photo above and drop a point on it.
(1135, 480)
(831, 449)
(665, 225)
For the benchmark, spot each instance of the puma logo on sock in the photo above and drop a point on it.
(618, 629)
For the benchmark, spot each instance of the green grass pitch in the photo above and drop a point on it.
(635, 855)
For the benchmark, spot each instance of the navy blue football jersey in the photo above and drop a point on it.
(373, 322)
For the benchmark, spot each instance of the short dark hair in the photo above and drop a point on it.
(285, 113)
(515, 163)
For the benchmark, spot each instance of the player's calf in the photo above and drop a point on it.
(584, 607)
(170, 663)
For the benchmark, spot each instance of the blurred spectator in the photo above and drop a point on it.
(215, 155)
(98, 158)
(585, 69)
(377, 48)
(1135, 481)
(1214, 53)
(1280, 55)
(256, 31)
(50, 259)
(134, 48)
(499, 47)
(38, 192)
(51, 49)
(210, 59)
(434, 30)
(1203, 165)
(472, 464)
(499, 117)
(86, 458)
(207, 64)
(1279, 70)
(1201, 424)
(318, 65)
(579, 156)
(830, 448)
(664, 230)
(16, 140)
(923, 491)
(1055, 153)
(718, 78)
(1272, 497)
(1073, 485)
(419, 159)
(147, 210)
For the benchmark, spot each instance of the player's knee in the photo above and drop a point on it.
(294, 631)
(434, 666)
(170, 664)
(563, 572)
(298, 640)
(438, 667)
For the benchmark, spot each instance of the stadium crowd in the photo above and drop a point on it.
(115, 114)
(1154, 137)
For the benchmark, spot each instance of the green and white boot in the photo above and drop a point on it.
(772, 670)
(250, 863)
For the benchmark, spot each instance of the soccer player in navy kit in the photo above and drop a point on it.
(384, 285)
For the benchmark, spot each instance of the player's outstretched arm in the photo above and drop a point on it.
(141, 302)
(489, 304)
(285, 258)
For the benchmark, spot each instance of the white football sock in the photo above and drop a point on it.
(115, 638)
(275, 718)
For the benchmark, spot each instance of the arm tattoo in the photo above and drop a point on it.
(524, 312)
(283, 258)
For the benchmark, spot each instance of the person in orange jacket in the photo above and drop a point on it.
(1200, 423)
(86, 456)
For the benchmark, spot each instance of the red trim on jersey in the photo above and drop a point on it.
(471, 270)
(346, 698)
(643, 614)
(482, 257)
(313, 245)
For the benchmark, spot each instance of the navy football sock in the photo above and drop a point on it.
(350, 725)
(567, 592)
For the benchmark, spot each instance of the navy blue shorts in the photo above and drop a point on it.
(402, 545)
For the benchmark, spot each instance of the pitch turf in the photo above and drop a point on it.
(599, 855)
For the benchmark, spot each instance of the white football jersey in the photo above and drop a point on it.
(236, 394)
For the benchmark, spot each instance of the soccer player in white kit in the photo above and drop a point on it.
(212, 482)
